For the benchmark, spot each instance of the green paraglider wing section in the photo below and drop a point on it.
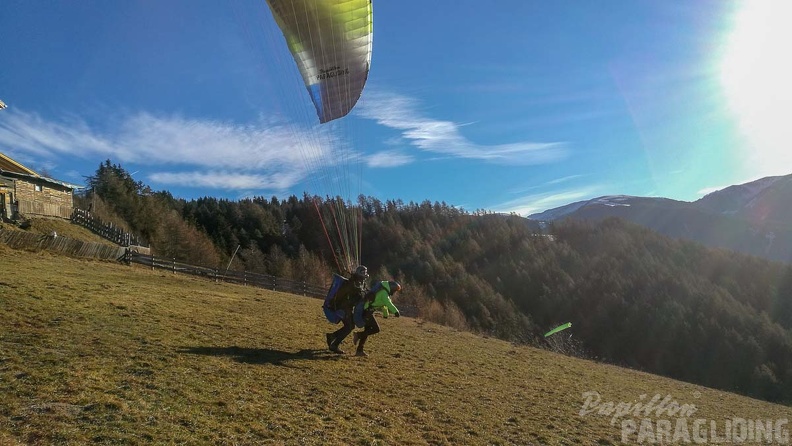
(557, 329)
(331, 42)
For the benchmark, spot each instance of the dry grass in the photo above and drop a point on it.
(97, 352)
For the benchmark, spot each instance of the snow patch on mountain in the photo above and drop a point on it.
(612, 200)
(563, 211)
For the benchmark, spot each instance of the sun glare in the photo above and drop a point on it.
(756, 74)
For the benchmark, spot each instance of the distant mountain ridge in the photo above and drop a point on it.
(754, 218)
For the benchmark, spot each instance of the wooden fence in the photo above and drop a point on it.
(244, 278)
(75, 248)
(238, 277)
(106, 230)
(46, 209)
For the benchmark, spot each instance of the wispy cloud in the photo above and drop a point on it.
(403, 113)
(389, 158)
(531, 204)
(73, 174)
(564, 179)
(225, 180)
(223, 155)
(554, 182)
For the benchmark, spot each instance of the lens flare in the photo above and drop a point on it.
(756, 75)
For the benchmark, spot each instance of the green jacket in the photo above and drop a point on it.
(381, 301)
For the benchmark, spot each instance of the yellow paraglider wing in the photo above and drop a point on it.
(331, 42)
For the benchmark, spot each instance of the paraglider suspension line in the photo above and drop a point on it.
(342, 239)
(324, 228)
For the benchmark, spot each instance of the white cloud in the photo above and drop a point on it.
(73, 174)
(213, 144)
(224, 180)
(216, 154)
(32, 134)
(402, 113)
(389, 158)
(523, 189)
(564, 179)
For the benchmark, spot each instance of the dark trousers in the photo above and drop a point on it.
(371, 327)
(345, 329)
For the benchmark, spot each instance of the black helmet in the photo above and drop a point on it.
(361, 271)
(394, 286)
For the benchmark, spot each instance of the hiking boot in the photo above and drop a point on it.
(361, 353)
(330, 339)
(355, 337)
(334, 348)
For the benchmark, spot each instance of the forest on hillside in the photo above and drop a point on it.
(634, 297)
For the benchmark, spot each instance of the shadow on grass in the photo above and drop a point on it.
(259, 355)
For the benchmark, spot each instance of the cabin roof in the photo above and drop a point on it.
(12, 169)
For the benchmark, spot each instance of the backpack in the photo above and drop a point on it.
(332, 314)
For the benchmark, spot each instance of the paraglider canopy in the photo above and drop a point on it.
(331, 42)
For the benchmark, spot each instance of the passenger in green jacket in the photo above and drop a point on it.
(377, 299)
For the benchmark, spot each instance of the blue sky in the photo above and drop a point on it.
(508, 105)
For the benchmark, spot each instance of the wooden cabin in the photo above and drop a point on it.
(24, 192)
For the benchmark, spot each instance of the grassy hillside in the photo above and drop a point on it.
(104, 353)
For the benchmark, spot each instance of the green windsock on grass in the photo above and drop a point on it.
(557, 329)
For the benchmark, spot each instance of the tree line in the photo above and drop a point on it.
(634, 297)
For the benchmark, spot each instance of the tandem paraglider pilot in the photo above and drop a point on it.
(340, 302)
(378, 299)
